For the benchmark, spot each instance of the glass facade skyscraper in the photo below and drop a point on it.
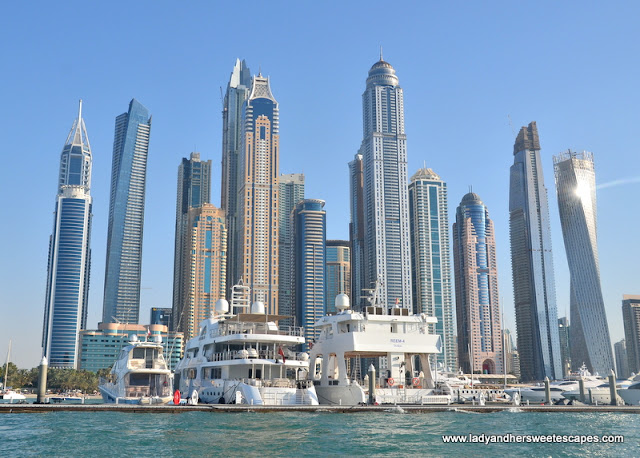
(385, 197)
(310, 235)
(532, 262)
(477, 303)
(631, 319)
(194, 190)
(338, 271)
(257, 223)
(126, 216)
(430, 258)
(232, 138)
(65, 310)
(290, 192)
(576, 187)
(356, 232)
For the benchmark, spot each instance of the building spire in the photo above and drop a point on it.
(80, 110)
(381, 59)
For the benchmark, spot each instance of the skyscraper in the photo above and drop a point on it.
(194, 190)
(290, 192)
(204, 277)
(430, 258)
(232, 138)
(257, 223)
(532, 262)
(385, 198)
(310, 234)
(564, 331)
(356, 231)
(631, 319)
(126, 216)
(476, 274)
(65, 310)
(576, 188)
(338, 271)
(622, 361)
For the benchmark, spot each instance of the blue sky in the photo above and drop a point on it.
(466, 68)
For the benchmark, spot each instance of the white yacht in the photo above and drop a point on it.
(139, 376)
(536, 393)
(244, 357)
(400, 342)
(601, 393)
(631, 394)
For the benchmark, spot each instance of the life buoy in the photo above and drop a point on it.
(176, 398)
(415, 381)
(390, 381)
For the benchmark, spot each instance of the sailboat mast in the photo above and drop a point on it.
(6, 367)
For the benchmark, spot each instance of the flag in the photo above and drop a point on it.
(397, 300)
(281, 353)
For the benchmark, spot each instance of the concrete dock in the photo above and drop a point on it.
(230, 408)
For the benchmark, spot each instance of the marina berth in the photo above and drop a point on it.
(242, 356)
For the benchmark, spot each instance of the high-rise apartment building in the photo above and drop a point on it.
(126, 216)
(622, 360)
(232, 138)
(511, 356)
(338, 271)
(631, 319)
(476, 275)
(204, 277)
(65, 310)
(385, 197)
(430, 258)
(576, 187)
(356, 232)
(194, 190)
(310, 235)
(290, 192)
(257, 210)
(564, 331)
(532, 262)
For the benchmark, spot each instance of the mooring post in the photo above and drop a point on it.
(42, 380)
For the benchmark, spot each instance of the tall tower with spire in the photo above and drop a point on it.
(65, 310)
(385, 201)
(232, 137)
(257, 198)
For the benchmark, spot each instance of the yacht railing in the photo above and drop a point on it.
(227, 328)
(261, 354)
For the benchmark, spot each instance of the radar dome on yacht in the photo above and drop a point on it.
(342, 302)
(222, 306)
(257, 307)
(303, 356)
(133, 338)
(157, 338)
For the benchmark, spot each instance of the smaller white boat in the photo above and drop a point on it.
(7, 395)
(139, 376)
(12, 397)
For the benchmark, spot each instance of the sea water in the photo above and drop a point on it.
(390, 433)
